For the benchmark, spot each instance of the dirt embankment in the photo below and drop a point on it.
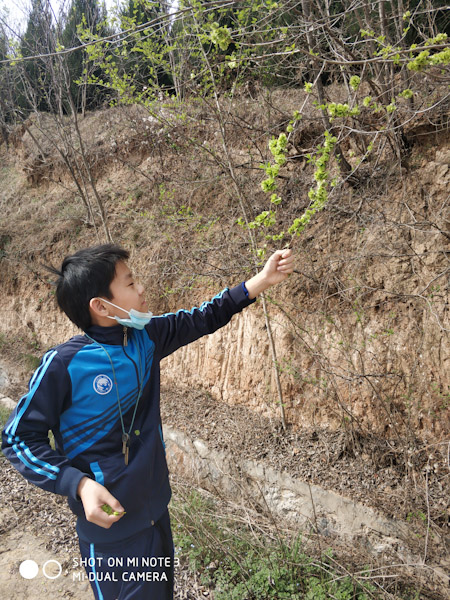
(361, 330)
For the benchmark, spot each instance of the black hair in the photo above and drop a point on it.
(85, 275)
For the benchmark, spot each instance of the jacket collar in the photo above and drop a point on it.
(109, 335)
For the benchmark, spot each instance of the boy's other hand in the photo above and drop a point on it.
(93, 496)
(278, 267)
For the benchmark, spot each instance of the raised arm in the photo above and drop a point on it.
(173, 330)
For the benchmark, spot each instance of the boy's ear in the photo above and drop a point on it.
(98, 307)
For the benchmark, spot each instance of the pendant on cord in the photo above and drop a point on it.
(125, 446)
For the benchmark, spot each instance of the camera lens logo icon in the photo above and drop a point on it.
(28, 569)
(51, 569)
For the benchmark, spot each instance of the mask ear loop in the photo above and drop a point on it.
(115, 306)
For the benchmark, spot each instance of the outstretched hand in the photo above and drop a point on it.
(278, 268)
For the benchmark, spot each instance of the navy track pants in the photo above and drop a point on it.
(137, 568)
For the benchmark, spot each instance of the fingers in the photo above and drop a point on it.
(106, 518)
(113, 502)
(285, 261)
(94, 496)
(103, 519)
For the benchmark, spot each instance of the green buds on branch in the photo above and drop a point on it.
(220, 36)
(424, 60)
(277, 148)
(336, 109)
(406, 94)
(354, 82)
(319, 194)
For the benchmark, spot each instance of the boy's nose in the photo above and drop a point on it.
(140, 289)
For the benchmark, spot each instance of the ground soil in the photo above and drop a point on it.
(34, 524)
(367, 469)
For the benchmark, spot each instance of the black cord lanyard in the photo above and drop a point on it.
(125, 435)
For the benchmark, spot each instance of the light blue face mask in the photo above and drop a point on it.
(137, 320)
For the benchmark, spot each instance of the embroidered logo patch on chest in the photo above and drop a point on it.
(102, 384)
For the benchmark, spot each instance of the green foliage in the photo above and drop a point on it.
(390, 108)
(406, 94)
(318, 195)
(239, 565)
(7, 93)
(341, 110)
(135, 71)
(426, 59)
(418, 515)
(438, 39)
(354, 82)
(207, 51)
(147, 54)
(220, 36)
(264, 219)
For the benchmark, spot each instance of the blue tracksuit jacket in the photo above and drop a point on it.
(73, 394)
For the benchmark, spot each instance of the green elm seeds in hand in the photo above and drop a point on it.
(108, 510)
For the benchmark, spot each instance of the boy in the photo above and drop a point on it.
(99, 394)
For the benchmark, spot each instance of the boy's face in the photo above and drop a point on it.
(127, 293)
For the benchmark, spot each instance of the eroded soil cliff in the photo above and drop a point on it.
(361, 328)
